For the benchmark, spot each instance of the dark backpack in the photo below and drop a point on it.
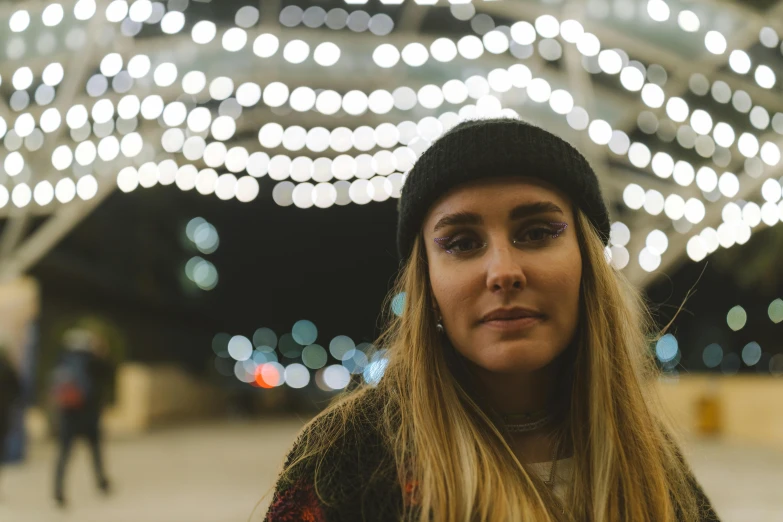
(70, 386)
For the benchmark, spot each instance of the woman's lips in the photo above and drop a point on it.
(518, 323)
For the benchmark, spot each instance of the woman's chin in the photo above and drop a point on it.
(515, 358)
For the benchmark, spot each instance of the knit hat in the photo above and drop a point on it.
(488, 148)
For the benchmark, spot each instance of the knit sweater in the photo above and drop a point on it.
(356, 480)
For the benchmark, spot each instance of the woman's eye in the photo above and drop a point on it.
(463, 245)
(540, 234)
(458, 245)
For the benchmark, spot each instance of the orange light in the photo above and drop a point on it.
(268, 376)
(259, 377)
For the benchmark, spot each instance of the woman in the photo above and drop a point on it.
(520, 384)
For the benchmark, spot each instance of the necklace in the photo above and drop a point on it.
(526, 422)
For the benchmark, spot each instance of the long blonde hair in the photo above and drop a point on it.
(626, 464)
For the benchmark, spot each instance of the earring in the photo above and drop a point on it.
(439, 326)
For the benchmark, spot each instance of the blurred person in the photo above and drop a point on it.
(519, 383)
(79, 391)
(10, 390)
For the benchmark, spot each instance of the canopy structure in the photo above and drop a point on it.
(678, 106)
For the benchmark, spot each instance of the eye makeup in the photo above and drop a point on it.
(558, 228)
(551, 229)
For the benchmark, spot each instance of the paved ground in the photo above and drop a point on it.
(217, 473)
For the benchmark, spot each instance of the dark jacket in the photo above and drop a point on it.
(356, 479)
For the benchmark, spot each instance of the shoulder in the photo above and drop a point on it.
(344, 435)
(342, 460)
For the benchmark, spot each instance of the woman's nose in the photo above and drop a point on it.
(504, 271)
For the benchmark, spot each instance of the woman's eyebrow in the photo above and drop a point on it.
(531, 209)
(458, 218)
(518, 212)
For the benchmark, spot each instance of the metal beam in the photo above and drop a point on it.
(640, 50)
(709, 65)
(78, 65)
(412, 17)
(676, 253)
(50, 233)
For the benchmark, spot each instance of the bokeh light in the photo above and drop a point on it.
(775, 311)
(240, 348)
(712, 355)
(737, 318)
(751, 353)
(336, 377)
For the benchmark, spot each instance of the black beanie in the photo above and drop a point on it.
(491, 148)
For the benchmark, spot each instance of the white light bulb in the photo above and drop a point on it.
(84, 9)
(443, 50)
(139, 66)
(43, 193)
(765, 77)
(415, 54)
(600, 132)
(723, 134)
(739, 61)
(140, 11)
(234, 39)
(470, 47)
(326, 54)
(24, 125)
(386, 56)
(539, 90)
(547, 26)
(688, 21)
(771, 191)
(694, 210)
(19, 21)
(266, 45)
(652, 95)
(165, 74)
(633, 196)
(22, 78)
(701, 122)
(770, 154)
(588, 44)
(658, 10)
(657, 242)
(696, 249)
(677, 109)
(111, 64)
(639, 155)
(172, 22)
(523, 33)
(728, 184)
(715, 42)
(203, 32)
(610, 61)
(662, 165)
(571, 30)
(21, 195)
(748, 145)
(52, 15)
(648, 260)
(632, 78)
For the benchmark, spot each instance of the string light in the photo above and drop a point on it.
(414, 54)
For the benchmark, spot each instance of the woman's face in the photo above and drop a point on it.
(505, 269)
